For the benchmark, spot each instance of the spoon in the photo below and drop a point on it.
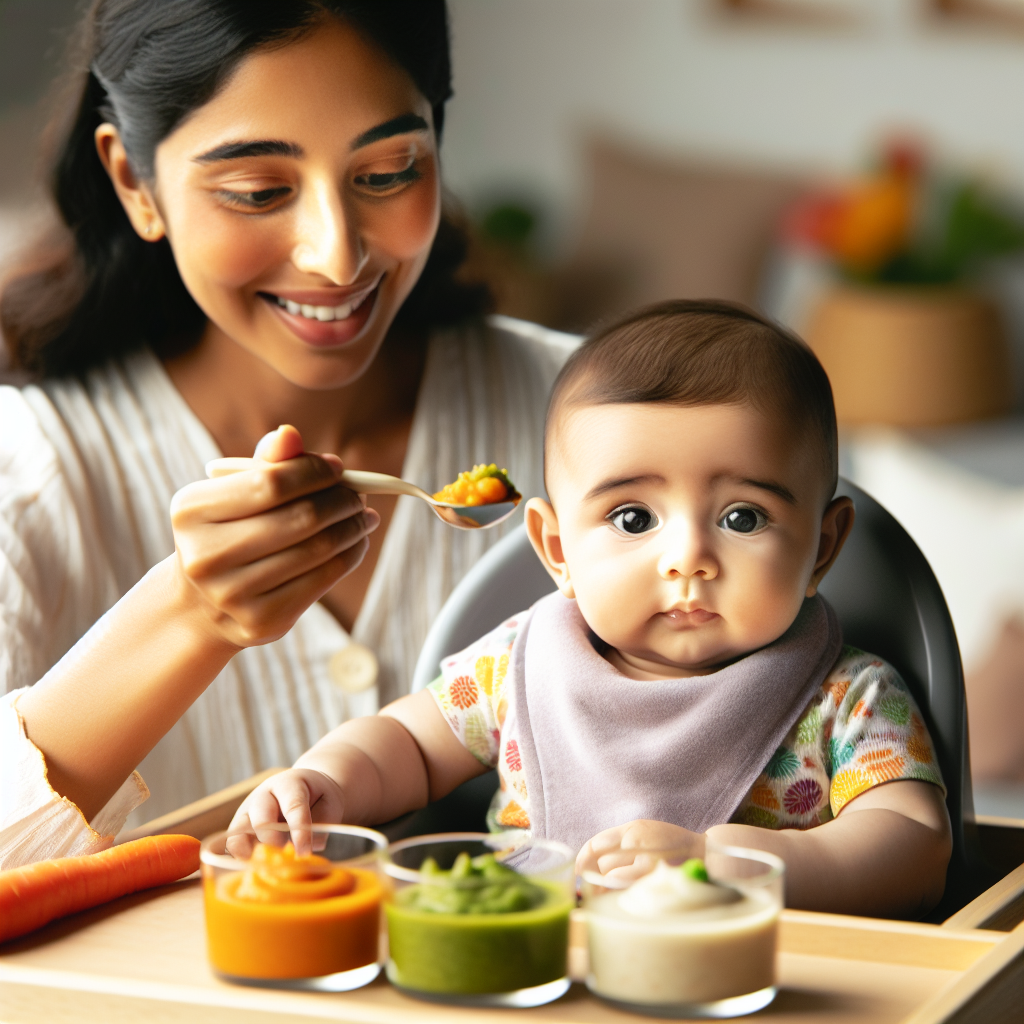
(462, 517)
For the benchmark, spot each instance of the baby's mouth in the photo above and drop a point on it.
(694, 617)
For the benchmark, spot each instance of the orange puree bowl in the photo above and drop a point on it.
(278, 920)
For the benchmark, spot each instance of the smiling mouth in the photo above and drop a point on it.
(322, 314)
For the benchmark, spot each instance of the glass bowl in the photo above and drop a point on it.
(294, 926)
(677, 948)
(477, 935)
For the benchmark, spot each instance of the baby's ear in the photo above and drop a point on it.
(542, 529)
(836, 525)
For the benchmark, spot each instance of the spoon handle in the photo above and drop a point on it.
(359, 480)
(379, 483)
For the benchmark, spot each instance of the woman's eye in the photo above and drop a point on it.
(743, 520)
(386, 181)
(257, 200)
(633, 520)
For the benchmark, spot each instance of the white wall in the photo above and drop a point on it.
(531, 76)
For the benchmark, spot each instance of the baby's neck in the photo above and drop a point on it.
(641, 669)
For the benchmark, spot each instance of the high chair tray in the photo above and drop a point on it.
(143, 958)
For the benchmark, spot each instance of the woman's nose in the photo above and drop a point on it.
(328, 241)
(687, 553)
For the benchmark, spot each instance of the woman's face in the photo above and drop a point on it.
(301, 203)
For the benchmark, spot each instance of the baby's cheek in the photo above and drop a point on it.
(616, 604)
(761, 604)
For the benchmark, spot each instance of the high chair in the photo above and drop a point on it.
(887, 599)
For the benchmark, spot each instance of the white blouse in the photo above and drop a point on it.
(87, 472)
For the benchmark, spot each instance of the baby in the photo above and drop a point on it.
(686, 680)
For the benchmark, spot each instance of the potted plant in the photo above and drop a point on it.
(903, 333)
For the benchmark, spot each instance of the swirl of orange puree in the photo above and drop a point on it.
(277, 875)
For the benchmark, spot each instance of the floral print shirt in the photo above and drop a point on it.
(861, 729)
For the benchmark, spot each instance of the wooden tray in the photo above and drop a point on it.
(143, 958)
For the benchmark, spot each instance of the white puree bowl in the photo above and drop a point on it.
(716, 961)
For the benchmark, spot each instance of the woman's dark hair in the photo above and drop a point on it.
(95, 289)
(704, 352)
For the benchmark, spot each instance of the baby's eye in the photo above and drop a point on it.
(743, 520)
(633, 519)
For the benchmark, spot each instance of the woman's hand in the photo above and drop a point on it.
(622, 852)
(258, 547)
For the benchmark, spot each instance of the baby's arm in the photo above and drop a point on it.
(366, 771)
(884, 855)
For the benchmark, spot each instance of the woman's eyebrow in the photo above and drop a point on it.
(258, 147)
(396, 126)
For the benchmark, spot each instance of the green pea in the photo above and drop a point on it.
(694, 868)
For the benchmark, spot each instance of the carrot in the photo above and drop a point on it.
(36, 894)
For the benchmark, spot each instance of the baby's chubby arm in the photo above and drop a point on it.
(884, 855)
(365, 771)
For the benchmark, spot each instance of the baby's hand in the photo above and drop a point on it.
(298, 796)
(622, 852)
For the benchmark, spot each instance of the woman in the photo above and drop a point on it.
(252, 192)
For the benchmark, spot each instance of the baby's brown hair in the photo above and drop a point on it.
(703, 352)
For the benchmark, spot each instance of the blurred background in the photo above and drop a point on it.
(853, 168)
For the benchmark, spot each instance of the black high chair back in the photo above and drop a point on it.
(887, 599)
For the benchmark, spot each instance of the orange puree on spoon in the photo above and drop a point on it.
(285, 916)
(482, 485)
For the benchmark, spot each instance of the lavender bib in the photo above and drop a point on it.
(600, 749)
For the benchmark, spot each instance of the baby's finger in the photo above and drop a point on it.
(609, 839)
(241, 843)
(627, 873)
(615, 859)
(294, 799)
(264, 811)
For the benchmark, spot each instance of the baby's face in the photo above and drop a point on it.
(690, 536)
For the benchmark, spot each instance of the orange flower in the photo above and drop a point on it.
(872, 222)
(885, 771)
(838, 690)
(463, 692)
(871, 756)
(513, 816)
(919, 749)
(762, 796)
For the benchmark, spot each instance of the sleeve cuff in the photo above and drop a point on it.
(37, 823)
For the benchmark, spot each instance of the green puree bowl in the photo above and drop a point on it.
(478, 919)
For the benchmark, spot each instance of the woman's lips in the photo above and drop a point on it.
(321, 325)
(683, 619)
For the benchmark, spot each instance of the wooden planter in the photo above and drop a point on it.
(912, 357)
